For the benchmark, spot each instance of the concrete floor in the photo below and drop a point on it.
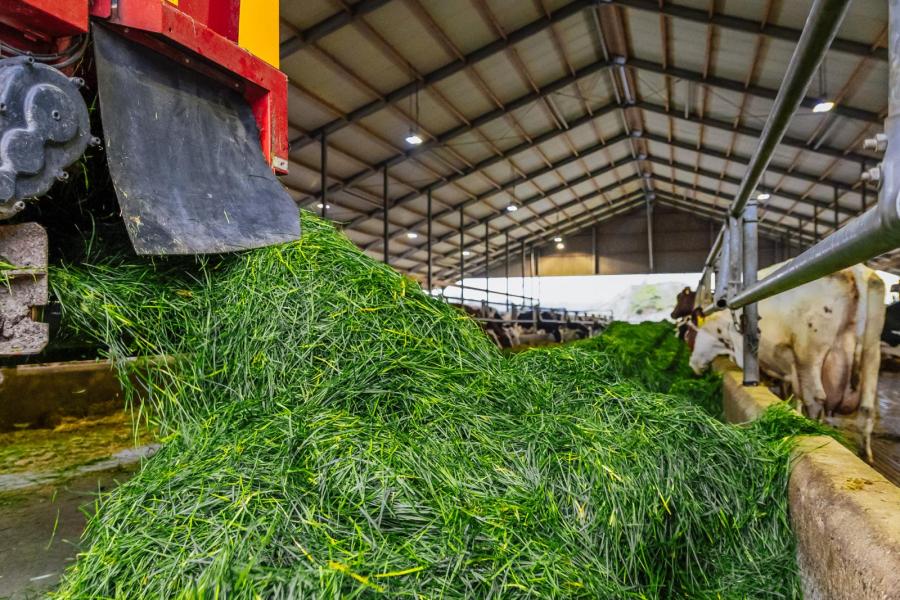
(49, 480)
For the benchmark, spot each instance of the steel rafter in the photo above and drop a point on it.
(512, 183)
(733, 23)
(326, 26)
(812, 202)
(787, 141)
(486, 51)
(742, 87)
(617, 206)
(579, 199)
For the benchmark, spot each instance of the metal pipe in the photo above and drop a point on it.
(506, 270)
(462, 252)
(487, 264)
(837, 208)
(875, 232)
(720, 298)
(523, 268)
(734, 257)
(863, 238)
(750, 320)
(825, 17)
(387, 209)
(595, 250)
(428, 243)
(650, 235)
(323, 174)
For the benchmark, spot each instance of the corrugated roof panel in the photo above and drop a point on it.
(305, 14)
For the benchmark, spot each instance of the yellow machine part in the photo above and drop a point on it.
(258, 28)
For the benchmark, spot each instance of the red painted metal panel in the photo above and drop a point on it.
(222, 16)
(45, 19)
(264, 86)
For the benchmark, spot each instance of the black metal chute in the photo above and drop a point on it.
(184, 156)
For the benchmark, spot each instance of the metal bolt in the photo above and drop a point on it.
(55, 115)
(19, 205)
(62, 176)
(95, 141)
(873, 174)
(77, 81)
(29, 60)
(877, 143)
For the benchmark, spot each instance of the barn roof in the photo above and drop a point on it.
(573, 111)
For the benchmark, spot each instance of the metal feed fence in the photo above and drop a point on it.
(734, 253)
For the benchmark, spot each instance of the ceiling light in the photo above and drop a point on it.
(560, 246)
(512, 208)
(763, 196)
(823, 106)
(466, 253)
(413, 139)
(327, 206)
(557, 239)
(412, 235)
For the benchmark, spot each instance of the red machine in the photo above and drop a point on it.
(194, 123)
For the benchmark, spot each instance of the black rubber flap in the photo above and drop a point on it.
(184, 155)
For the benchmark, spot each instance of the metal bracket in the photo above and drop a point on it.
(23, 289)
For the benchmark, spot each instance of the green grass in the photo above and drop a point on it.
(332, 431)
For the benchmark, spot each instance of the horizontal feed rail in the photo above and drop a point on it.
(873, 233)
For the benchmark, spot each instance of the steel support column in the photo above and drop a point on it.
(323, 174)
(650, 235)
(506, 270)
(750, 319)
(462, 254)
(487, 265)
(428, 243)
(387, 210)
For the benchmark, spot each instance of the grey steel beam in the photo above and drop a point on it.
(740, 87)
(743, 160)
(750, 318)
(328, 25)
(622, 205)
(429, 244)
(733, 23)
(817, 204)
(505, 155)
(387, 208)
(752, 132)
(620, 138)
(825, 17)
(486, 51)
(547, 234)
(873, 233)
(711, 192)
(536, 198)
(482, 119)
(709, 211)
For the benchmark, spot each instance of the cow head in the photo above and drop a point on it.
(713, 339)
(684, 303)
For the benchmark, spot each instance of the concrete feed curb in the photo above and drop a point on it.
(846, 515)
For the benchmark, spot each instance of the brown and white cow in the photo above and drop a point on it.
(688, 318)
(822, 338)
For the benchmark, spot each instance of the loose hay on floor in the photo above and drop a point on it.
(330, 431)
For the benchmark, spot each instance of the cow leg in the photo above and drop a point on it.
(871, 358)
(812, 391)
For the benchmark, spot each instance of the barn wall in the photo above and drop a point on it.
(681, 243)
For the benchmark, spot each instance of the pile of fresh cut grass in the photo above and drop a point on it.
(330, 430)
